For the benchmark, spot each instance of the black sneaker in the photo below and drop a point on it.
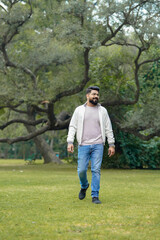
(96, 200)
(82, 193)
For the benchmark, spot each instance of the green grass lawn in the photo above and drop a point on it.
(40, 202)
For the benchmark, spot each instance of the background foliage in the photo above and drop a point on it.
(53, 50)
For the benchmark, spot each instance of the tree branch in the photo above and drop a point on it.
(80, 87)
(63, 120)
(19, 24)
(38, 109)
(43, 65)
(122, 44)
(25, 138)
(125, 21)
(62, 124)
(12, 106)
(7, 40)
(148, 61)
(138, 5)
(118, 102)
(147, 137)
(109, 26)
(51, 115)
(8, 63)
(27, 122)
(13, 2)
(113, 34)
(3, 7)
(135, 130)
(19, 111)
(137, 133)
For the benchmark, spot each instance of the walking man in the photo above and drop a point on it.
(91, 124)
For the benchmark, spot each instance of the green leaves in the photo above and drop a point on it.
(43, 55)
(112, 69)
(2, 111)
(133, 153)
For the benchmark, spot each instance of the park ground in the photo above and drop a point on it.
(40, 202)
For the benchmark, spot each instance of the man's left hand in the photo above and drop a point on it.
(111, 151)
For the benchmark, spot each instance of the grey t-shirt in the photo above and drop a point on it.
(91, 127)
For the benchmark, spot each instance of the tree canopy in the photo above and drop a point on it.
(52, 50)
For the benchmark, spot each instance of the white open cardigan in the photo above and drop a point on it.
(76, 125)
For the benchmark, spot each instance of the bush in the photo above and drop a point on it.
(134, 153)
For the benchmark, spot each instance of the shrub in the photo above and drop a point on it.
(134, 153)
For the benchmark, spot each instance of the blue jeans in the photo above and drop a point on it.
(94, 153)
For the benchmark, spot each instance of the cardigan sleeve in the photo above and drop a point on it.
(72, 127)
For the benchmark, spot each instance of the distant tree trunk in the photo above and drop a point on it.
(44, 148)
(51, 143)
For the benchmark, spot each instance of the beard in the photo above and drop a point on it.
(93, 101)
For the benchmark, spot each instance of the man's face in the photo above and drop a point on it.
(93, 97)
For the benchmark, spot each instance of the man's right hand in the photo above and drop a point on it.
(70, 148)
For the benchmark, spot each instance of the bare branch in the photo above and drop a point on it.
(27, 137)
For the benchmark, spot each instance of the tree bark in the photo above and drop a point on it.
(44, 148)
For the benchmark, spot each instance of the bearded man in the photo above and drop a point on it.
(91, 124)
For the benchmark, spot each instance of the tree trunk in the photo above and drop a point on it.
(44, 148)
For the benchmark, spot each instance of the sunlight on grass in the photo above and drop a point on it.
(40, 202)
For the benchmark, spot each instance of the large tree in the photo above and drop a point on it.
(46, 49)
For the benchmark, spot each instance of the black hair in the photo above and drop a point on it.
(89, 89)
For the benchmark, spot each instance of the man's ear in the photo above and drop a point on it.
(87, 95)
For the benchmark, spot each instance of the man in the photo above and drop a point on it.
(92, 125)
